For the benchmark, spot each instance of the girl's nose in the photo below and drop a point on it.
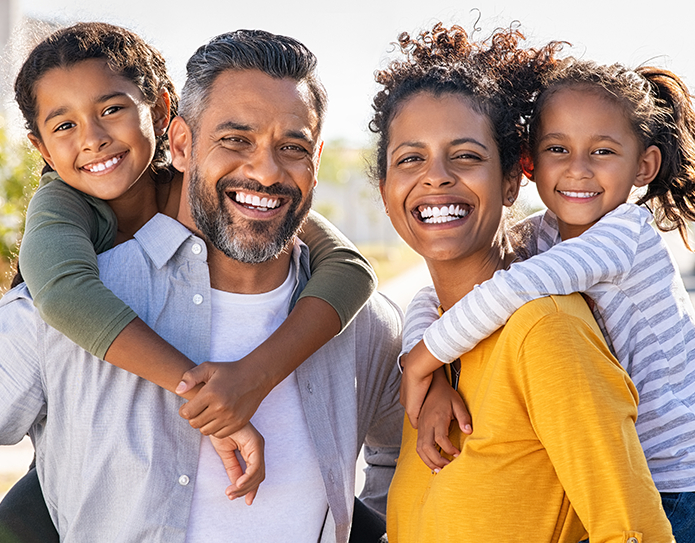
(579, 167)
(94, 137)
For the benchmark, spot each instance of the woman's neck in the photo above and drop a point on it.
(453, 279)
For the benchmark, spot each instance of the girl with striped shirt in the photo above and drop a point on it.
(597, 131)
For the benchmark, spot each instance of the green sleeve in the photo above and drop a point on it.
(65, 229)
(340, 275)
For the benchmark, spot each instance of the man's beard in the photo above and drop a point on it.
(252, 242)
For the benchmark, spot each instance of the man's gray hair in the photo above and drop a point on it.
(275, 55)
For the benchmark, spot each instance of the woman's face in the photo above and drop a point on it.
(444, 189)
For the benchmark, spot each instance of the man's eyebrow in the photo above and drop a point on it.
(294, 134)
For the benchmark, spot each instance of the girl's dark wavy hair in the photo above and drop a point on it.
(497, 76)
(126, 54)
(659, 108)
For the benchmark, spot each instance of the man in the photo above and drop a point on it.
(116, 461)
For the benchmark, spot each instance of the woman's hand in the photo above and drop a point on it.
(441, 406)
(250, 444)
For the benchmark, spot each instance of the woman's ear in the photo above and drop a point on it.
(383, 199)
(180, 144)
(511, 185)
(36, 142)
(161, 113)
(650, 164)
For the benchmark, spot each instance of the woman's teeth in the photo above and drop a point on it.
(256, 201)
(440, 214)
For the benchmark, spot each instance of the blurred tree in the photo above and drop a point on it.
(20, 166)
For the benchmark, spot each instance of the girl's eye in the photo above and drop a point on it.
(603, 152)
(556, 149)
(64, 126)
(112, 109)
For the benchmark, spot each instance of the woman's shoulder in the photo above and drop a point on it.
(548, 311)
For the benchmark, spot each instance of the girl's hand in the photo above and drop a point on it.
(251, 445)
(231, 395)
(441, 406)
(418, 366)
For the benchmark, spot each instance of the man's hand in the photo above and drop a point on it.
(251, 446)
(441, 406)
(231, 395)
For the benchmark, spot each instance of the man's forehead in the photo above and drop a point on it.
(252, 98)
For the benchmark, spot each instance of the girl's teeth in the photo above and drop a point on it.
(104, 165)
(572, 194)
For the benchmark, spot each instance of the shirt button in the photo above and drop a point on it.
(309, 388)
(196, 249)
(331, 477)
(184, 480)
(197, 299)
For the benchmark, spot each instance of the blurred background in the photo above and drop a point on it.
(351, 40)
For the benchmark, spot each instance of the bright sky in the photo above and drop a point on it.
(351, 42)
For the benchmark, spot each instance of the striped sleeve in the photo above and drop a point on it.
(422, 311)
(605, 252)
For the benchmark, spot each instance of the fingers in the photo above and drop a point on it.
(193, 377)
(461, 414)
(428, 451)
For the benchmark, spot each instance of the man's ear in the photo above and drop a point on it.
(317, 163)
(180, 144)
(650, 164)
(36, 142)
(161, 113)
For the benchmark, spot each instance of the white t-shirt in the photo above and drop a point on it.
(291, 503)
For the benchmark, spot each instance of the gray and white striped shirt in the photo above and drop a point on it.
(641, 306)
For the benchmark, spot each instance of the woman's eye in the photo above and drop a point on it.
(408, 159)
(467, 156)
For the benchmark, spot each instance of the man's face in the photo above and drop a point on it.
(253, 164)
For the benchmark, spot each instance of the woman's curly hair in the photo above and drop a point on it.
(499, 77)
(126, 53)
(659, 108)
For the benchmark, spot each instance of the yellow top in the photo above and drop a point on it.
(553, 448)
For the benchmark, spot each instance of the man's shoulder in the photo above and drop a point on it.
(381, 312)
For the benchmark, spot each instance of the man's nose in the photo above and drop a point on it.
(262, 165)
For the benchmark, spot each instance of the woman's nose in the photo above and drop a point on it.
(438, 174)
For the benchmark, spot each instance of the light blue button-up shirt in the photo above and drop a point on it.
(115, 460)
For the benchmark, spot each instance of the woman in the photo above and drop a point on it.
(554, 455)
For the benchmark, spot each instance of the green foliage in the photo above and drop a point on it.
(19, 175)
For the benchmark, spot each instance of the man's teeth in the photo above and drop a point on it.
(256, 201)
(572, 194)
(434, 214)
(101, 166)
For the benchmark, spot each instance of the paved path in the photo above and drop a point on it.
(15, 459)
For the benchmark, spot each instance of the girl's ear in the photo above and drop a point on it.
(161, 113)
(180, 143)
(36, 142)
(526, 163)
(650, 163)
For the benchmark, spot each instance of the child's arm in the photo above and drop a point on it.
(342, 280)
(602, 253)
